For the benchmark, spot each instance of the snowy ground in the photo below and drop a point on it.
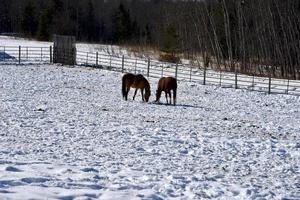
(66, 133)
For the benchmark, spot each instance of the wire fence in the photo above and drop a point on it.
(24, 54)
(153, 68)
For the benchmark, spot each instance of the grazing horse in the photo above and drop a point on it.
(138, 82)
(167, 84)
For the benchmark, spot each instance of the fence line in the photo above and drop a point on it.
(25, 54)
(153, 68)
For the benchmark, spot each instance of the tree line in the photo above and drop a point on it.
(249, 36)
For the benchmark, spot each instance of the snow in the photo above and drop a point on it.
(11, 41)
(66, 133)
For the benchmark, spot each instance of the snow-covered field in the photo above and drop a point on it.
(11, 41)
(66, 133)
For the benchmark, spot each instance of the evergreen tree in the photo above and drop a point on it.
(135, 31)
(29, 21)
(170, 44)
(91, 30)
(5, 17)
(170, 40)
(43, 33)
(58, 17)
(57, 5)
(146, 35)
(122, 25)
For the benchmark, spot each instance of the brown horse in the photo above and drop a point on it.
(167, 84)
(138, 82)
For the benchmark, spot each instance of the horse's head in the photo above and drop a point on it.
(158, 94)
(147, 94)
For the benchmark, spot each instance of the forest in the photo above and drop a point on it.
(246, 36)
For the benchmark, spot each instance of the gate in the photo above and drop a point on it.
(64, 49)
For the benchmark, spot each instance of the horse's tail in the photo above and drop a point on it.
(174, 92)
(124, 88)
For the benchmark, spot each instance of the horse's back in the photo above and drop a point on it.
(140, 81)
(167, 83)
(139, 78)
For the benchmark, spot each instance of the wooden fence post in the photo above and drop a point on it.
(123, 64)
(97, 59)
(176, 71)
(148, 68)
(51, 59)
(235, 79)
(288, 85)
(4, 54)
(162, 70)
(19, 54)
(220, 78)
(87, 59)
(190, 73)
(135, 66)
(41, 53)
(206, 65)
(270, 81)
(204, 75)
(252, 82)
(110, 57)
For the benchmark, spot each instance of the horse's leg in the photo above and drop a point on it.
(174, 97)
(135, 93)
(170, 96)
(128, 89)
(142, 92)
(126, 92)
(166, 93)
